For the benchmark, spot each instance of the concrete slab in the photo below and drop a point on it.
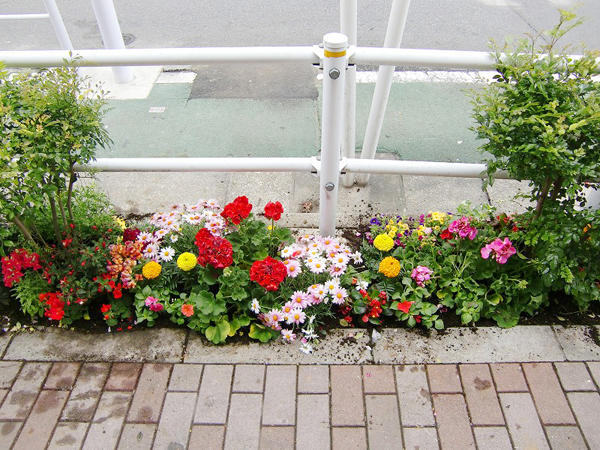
(338, 347)
(424, 194)
(139, 88)
(4, 341)
(468, 345)
(55, 344)
(579, 343)
(503, 196)
(142, 193)
(177, 76)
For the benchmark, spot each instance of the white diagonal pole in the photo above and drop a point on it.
(58, 24)
(393, 38)
(108, 23)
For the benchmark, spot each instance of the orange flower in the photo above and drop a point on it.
(187, 310)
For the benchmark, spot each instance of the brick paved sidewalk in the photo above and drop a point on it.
(99, 405)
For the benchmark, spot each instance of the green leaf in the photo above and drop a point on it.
(262, 333)
(439, 324)
(219, 332)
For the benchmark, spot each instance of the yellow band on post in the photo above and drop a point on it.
(329, 54)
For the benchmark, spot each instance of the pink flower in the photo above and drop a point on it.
(463, 228)
(499, 250)
(421, 274)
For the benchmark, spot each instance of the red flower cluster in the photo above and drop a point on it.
(213, 250)
(18, 260)
(273, 210)
(269, 273)
(374, 309)
(237, 210)
(130, 234)
(446, 234)
(54, 301)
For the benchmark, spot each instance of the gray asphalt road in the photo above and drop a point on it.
(436, 24)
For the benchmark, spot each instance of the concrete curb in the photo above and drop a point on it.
(340, 346)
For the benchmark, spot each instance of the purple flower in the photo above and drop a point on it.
(463, 228)
(499, 250)
(375, 221)
(421, 274)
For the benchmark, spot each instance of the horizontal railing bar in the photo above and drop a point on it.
(23, 16)
(159, 56)
(419, 168)
(248, 164)
(449, 59)
(310, 164)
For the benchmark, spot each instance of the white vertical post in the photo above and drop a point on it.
(393, 38)
(58, 24)
(334, 74)
(349, 27)
(111, 35)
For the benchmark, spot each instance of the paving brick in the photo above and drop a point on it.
(547, 394)
(123, 376)
(379, 380)
(175, 420)
(150, 392)
(137, 436)
(574, 376)
(568, 437)
(482, 400)
(213, 397)
(277, 438)
(8, 372)
(185, 377)
(207, 437)
(522, 421)
(509, 377)
(24, 392)
(107, 423)
(68, 435)
(86, 392)
(595, 371)
(8, 433)
(424, 438)
(492, 438)
(243, 424)
(249, 378)
(280, 396)
(3, 394)
(414, 396)
(347, 407)
(313, 379)
(349, 438)
(454, 428)
(312, 427)
(586, 406)
(444, 379)
(42, 420)
(62, 376)
(383, 422)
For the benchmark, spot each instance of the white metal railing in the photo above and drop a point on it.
(54, 16)
(338, 61)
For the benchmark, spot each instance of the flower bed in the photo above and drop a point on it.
(223, 271)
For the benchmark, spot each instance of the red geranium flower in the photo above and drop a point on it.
(273, 210)
(105, 308)
(237, 210)
(446, 234)
(269, 273)
(404, 306)
(213, 250)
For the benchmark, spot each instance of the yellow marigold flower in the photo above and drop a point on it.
(390, 267)
(151, 270)
(383, 242)
(186, 261)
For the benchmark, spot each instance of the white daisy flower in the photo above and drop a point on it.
(166, 254)
(255, 306)
(288, 336)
